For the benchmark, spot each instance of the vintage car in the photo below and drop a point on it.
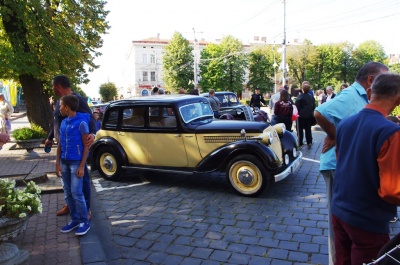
(231, 105)
(178, 134)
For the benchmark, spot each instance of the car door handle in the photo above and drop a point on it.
(189, 136)
(177, 135)
(121, 133)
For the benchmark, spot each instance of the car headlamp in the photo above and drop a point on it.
(266, 138)
(280, 128)
(239, 111)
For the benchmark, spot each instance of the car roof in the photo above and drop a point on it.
(164, 99)
(219, 93)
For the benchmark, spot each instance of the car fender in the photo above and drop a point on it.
(219, 158)
(288, 141)
(109, 142)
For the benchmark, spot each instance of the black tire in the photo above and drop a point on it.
(247, 175)
(109, 163)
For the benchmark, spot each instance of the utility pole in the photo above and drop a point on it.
(284, 44)
(195, 66)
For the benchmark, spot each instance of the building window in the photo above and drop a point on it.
(152, 76)
(145, 76)
(144, 58)
(152, 58)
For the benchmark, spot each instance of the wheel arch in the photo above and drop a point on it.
(219, 159)
(108, 142)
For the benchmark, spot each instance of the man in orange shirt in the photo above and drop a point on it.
(366, 186)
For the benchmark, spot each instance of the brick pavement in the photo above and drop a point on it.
(182, 219)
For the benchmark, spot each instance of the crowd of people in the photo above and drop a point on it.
(359, 159)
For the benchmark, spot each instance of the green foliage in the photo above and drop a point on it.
(261, 68)
(223, 66)
(18, 203)
(108, 91)
(395, 68)
(178, 64)
(39, 39)
(368, 51)
(396, 111)
(29, 133)
(301, 61)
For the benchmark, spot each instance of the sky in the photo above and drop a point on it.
(320, 21)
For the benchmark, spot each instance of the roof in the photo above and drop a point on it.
(159, 99)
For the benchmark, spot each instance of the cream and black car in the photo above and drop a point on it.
(179, 134)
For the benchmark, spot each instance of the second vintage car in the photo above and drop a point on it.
(178, 134)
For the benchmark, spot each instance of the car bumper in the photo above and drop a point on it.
(290, 169)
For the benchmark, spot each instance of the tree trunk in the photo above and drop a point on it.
(37, 102)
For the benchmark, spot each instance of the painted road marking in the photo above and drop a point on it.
(99, 188)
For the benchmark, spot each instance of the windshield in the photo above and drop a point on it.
(228, 100)
(195, 111)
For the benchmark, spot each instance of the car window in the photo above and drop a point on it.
(196, 110)
(112, 118)
(162, 117)
(133, 117)
(228, 100)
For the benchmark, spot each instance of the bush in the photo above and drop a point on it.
(29, 133)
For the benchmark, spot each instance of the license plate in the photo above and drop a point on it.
(295, 165)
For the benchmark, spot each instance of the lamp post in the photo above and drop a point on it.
(274, 65)
(195, 58)
(284, 45)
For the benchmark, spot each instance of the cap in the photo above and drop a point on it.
(257, 88)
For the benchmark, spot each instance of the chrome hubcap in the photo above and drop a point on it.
(245, 176)
(108, 163)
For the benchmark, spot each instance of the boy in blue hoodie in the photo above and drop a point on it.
(71, 162)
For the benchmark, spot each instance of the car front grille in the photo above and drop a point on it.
(222, 139)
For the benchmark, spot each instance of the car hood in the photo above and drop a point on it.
(231, 126)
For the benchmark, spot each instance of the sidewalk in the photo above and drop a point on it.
(42, 239)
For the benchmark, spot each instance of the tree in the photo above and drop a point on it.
(261, 68)
(178, 63)
(223, 66)
(368, 51)
(108, 91)
(299, 59)
(40, 39)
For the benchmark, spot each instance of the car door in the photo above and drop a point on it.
(132, 134)
(165, 143)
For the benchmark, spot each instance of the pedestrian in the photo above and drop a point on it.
(194, 92)
(321, 97)
(161, 91)
(181, 91)
(366, 186)
(71, 162)
(305, 104)
(154, 91)
(329, 94)
(62, 87)
(283, 110)
(96, 116)
(397, 121)
(214, 103)
(343, 86)
(6, 110)
(256, 99)
(328, 116)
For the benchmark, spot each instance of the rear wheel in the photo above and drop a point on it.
(247, 175)
(109, 163)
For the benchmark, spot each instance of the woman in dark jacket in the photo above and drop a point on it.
(305, 104)
(283, 110)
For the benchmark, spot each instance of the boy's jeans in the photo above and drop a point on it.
(73, 191)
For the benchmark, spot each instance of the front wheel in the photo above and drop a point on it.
(247, 175)
(109, 163)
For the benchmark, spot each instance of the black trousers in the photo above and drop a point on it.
(305, 124)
